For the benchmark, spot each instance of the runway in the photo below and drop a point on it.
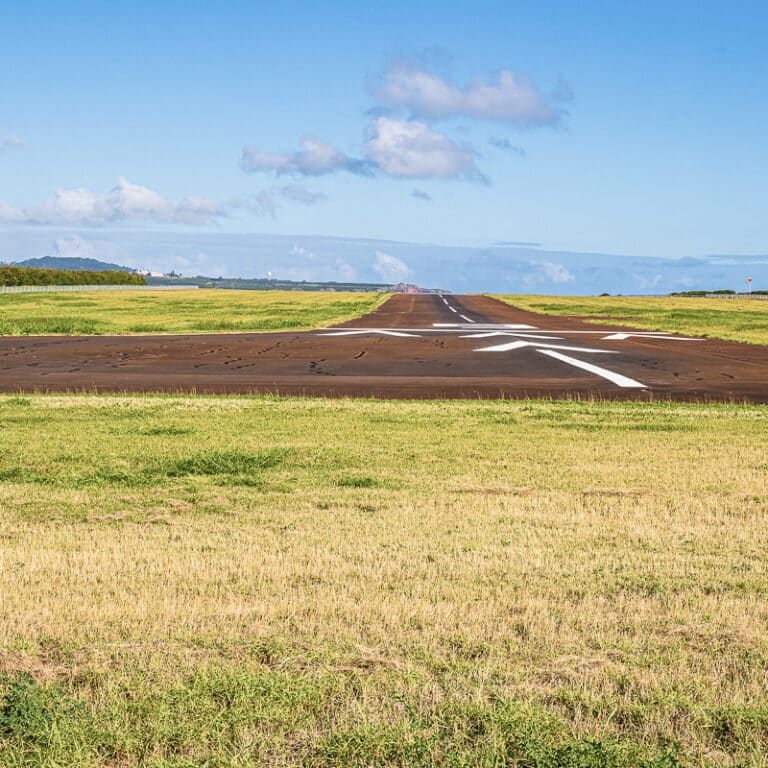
(413, 346)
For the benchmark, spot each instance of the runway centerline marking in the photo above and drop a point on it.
(468, 319)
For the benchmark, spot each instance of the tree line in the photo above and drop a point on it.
(37, 276)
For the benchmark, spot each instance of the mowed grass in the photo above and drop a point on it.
(192, 311)
(262, 581)
(731, 319)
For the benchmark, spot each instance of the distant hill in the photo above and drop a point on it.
(72, 263)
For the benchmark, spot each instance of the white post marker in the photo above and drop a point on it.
(749, 286)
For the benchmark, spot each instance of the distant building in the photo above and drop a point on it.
(149, 273)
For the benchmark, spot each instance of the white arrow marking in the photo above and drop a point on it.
(371, 330)
(520, 344)
(615, 378)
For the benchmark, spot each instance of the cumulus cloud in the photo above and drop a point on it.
(301, 251)
(389, 268)
(507, 146)
(317, 158)
(420, 194)
(398, 148)
(305, 264)
(555, 272)
(411, 149)
(510, 98)
(125, 202)
(11, 141)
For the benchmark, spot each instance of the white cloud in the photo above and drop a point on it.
(301, 251)
(125, 202)
(390, 269)
(410, 149)
(11, 141)
(556, 273)
(511, 98)
(346, 273)
(10, 214)
(316, 159)
(74, 247)
(267, 202)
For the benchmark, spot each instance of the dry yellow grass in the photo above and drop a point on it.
(417, 565)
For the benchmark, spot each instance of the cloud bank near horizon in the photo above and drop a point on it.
(497, 268)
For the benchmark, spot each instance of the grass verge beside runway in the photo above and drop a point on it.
(248, 581)
(193, 311)
(730, 319)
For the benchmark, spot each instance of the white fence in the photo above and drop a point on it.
(736, 296)
(56, 288)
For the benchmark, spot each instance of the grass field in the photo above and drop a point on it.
(203, 582)
(731, 319)
(193, 311)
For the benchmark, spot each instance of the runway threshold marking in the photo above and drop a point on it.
(360, 332)
(528, 336)
(616, 378)
(537, 345)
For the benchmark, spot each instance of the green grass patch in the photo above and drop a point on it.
(193, 311)
(247, 581)
(731, 319)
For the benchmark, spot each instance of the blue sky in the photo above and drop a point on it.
(632, 129)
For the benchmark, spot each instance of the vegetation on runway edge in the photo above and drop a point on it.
(731, 319)
(193, 311)
(249, 581)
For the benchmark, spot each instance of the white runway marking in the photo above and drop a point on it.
(655, 335)
(615, 378)
(520, 344)
(369, 330)
(483, 326)
(526, 336)
(453, 309)
(521, 334)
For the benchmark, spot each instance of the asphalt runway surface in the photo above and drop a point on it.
(413, 346)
